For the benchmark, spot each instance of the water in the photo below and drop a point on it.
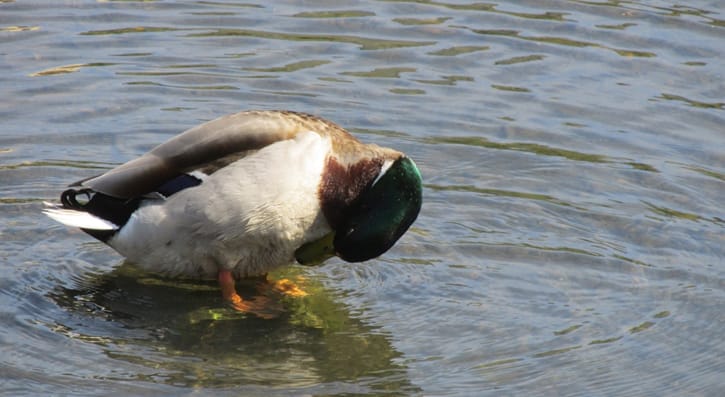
(571, 240)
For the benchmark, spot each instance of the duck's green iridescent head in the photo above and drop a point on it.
(382, 213)
(378, 218)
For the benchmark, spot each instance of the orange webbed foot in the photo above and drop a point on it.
(259, 306)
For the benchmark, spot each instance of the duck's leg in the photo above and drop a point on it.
(229, 290)
(259, 306)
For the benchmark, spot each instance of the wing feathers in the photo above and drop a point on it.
(192, 149)
(83, 220)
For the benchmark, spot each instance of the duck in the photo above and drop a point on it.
(246, 193)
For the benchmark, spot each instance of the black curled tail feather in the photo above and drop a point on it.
(119, 210)
(69, 201)
(113, 209)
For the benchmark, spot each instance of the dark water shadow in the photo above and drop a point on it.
(182, 331)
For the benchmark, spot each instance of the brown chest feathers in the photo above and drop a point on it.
(341, 185)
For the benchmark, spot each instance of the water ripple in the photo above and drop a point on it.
(365, 43)
(570, 240)
(563, 41)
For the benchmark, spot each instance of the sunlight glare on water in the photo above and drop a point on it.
(572, 235)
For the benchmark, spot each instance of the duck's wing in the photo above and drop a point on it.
(225, 138)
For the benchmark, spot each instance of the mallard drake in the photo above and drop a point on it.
(246, 193)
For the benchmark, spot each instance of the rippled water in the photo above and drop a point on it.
(572, 236)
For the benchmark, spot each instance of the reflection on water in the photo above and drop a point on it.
(570, 242)
(172, 326)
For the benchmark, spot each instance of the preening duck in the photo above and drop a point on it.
(246, 193)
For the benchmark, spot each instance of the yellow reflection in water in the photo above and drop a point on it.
(68, 69)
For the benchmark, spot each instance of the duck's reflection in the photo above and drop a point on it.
(183, 329)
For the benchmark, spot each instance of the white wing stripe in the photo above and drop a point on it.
(79, 219)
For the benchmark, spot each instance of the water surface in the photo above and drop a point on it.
(571, 240)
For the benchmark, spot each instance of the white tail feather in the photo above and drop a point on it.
(79, 219)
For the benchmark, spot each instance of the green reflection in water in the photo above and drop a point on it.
(680, 10)
(641, 327)
(523, 147)
(133, 29)
(673, 11)
(214, 13)
(290, 93)
(185, 87)
(489, 7)
(238, 55)
(176, 109)
(58, 163)
(334, 14)
(555, 352)
(497, 192)
(381, 72)
(509, 88)
(641, 166)
(68, 68)
(364, 42)
(562, 41)
(19, 28)
(133, 54)
(334, 80)
(189, 337)
(662, 314)
(292, 67)
(387, 133)
(668, 212)
(555, 249)
(446, 80)
(407, 91)
(522, 59)
(631, 53)
(621, 26)
(499, 363)
(539, 149)
(227, 5)
(607, 3)
(630, 260)
(697, 104)
(165, 73)
(604, 341)
(418, 261)
(458, 50)
(190, 66)
(567, 330)
(417, 21)
(706, 172)
(16, 200)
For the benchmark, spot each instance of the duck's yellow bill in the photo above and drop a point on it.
(316, 252)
